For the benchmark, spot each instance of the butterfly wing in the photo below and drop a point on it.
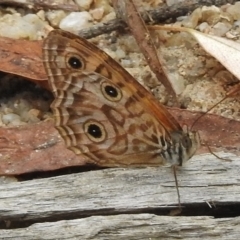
(102, 112)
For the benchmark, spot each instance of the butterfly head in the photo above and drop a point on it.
(183, 146)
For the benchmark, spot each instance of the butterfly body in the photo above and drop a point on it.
(104, 114)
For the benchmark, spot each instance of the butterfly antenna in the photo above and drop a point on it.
(225, 159)
(194, 123)
(231, 93)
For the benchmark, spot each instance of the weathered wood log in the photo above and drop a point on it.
(203, 179)
(205, 182)
(134, 227)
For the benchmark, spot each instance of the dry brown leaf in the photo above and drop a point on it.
(226, 51)
(34, 147)
(23, 58)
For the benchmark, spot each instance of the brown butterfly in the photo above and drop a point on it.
(104, 114)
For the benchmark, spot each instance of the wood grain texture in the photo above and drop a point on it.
(134, 227)
(109, 204)
(203, 179)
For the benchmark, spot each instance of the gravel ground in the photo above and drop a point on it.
(199, 79)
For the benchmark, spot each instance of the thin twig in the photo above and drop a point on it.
(130, 14)
(158, 15)
(176, 182)
(43, 4)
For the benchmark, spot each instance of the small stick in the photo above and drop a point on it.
(176, 183)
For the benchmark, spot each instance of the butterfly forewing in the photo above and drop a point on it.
(101, 111)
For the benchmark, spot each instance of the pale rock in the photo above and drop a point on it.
(1, 122)
(232, 34)
(6, 109)
(10, 117)
(76, 21)
(105, 4)
(97, 13)
(210, 9)
(55, 17)
(41, 15)
(15, 26)
(21, 105)
(177, 82)
(16, 122)
(181, 18)
(126, 63)
(109, 16)
(35, 21)
(236, 24)
(129, 44)
(193, 19)
(34, 112)
(226, 17)
(120, 53)
(172, 2)
(30, 117)
(33, 119)
(220, 29)
(84, 4)
(211, 15)
(204, 27)
(111, 53)
(234, 10)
